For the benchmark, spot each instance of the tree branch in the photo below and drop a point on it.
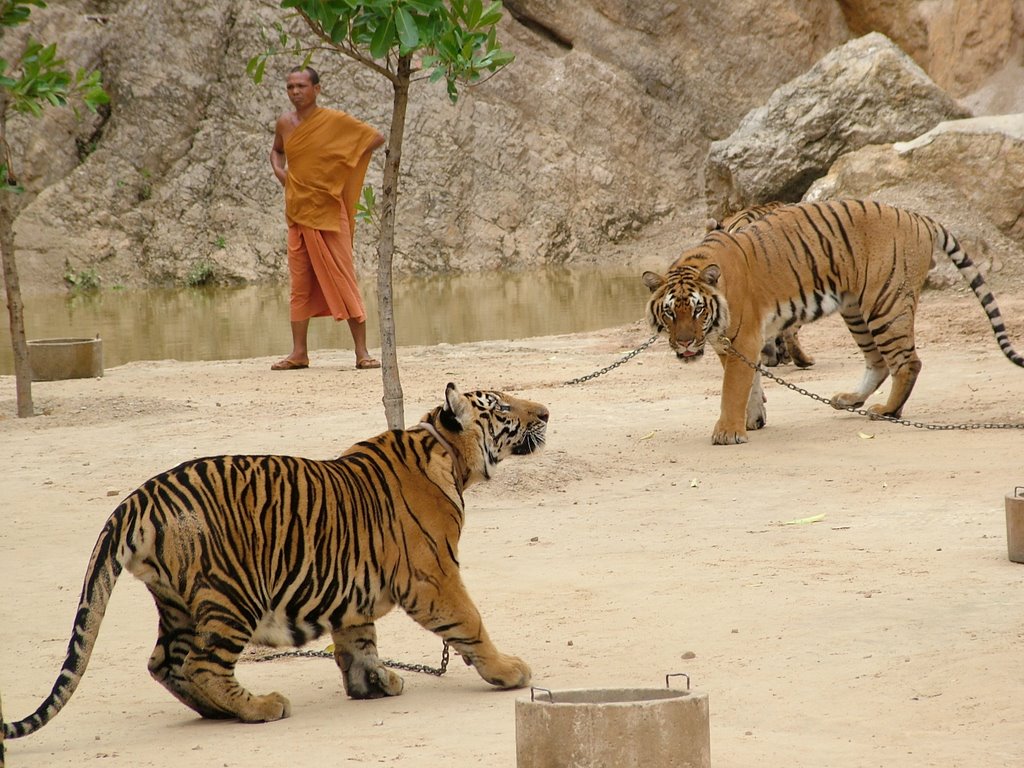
(351, 52)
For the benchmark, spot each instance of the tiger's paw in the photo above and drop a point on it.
(265, 709)
(880, 412)
(365, 681)
(726, 436)
(847, 400)
(757, 417)
(506, 672)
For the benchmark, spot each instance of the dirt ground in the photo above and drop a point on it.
(888, 633)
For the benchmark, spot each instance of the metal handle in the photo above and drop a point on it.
(678, 674)
(533, 693)
(1019, 490)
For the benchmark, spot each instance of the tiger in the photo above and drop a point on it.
(801, 262)
(784, 347)
(277, 550)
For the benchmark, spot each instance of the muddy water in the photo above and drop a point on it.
(230, 323)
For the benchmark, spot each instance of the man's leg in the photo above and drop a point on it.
(301, 272)
(300, 352)
(363, 359)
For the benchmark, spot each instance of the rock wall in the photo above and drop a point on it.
(589, 148)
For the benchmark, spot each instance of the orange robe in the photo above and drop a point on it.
(327, 157)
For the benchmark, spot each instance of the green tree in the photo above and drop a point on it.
(404, 41)
(35, 80)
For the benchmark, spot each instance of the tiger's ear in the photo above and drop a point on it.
(710, 274)
(653, 281)
(456, 413)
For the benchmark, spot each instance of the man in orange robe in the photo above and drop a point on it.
(320, 156)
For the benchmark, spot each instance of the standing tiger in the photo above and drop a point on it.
(278, 550)
(799, 263)
(784, 347)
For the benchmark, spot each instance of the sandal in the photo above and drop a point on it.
(367, 363)
(288, 365)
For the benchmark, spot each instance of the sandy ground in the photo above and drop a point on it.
(888, 633)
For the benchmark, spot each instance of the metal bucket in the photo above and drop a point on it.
(613, 728)
(55, 359)
(1015, 525)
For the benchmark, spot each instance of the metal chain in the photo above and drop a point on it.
(862, 412)
(406, 666)
(625, 358)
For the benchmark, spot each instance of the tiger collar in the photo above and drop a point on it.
(461, 470)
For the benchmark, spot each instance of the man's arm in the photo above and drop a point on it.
(278, 159)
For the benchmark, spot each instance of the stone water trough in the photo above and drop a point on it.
(613, 728)
(55, 359)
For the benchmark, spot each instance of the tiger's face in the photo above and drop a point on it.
(687, 307)
(489, 426)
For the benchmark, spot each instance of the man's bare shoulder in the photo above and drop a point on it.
(286, 123)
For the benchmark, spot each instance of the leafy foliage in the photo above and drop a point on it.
(201, 273)
(455, 39)
(85, 281)
(366, 208)
(38, 79)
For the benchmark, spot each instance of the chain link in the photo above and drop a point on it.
(406, 666)
(624, 359)
(860, 411)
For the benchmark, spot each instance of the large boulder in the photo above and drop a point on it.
(964, 173)
(968, 47)
(865, 92)
(593, 139)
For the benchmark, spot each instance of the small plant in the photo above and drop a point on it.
(366, 209)
(221, 242)
(85, 281)
(145, 188)
(201, 273)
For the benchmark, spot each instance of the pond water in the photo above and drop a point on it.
(252, 321)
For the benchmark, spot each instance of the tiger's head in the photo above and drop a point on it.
(486, 426)
(687, 305)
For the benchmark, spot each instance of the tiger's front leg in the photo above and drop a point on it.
(739, 412)
(450, 613)
(363, 673)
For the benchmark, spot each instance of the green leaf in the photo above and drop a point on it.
(383, 39)
(476, 10)
(491, 16)
(425, 6)
(408, 33)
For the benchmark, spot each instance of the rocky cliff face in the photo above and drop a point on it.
(590, 147)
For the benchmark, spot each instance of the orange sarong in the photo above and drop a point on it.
(327, 157)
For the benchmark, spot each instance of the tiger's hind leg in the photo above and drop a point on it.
(875, 369)
(209, 671)
(774, 352)
(794, 351)
(785, 348)
(175, 640)
(895, 339)
(363, 673)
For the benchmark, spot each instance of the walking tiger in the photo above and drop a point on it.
(798, 263)
(279, 550)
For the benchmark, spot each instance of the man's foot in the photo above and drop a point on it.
(367, 362)
(288, 365)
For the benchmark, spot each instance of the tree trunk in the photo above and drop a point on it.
(394, 408)
(16, 310)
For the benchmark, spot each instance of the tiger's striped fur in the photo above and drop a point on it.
(278, 550)
(867, 260)
(784, 347)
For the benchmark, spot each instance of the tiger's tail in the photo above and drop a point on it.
(973, 277)
(104, 568)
